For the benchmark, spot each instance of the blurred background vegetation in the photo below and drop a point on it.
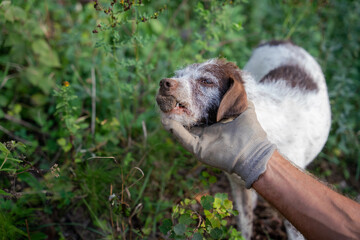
(83, 153)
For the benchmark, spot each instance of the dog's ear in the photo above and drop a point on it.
(234, 100)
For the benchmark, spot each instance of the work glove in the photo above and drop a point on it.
(239, 146)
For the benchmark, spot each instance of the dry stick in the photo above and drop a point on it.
(27, 229)
(19, 139)
(5, 159)
(6, 78)
(24, 123)
(93, 101)
(111, 217)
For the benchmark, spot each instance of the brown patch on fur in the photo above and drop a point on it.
(234, 102)
(293, 75)
(276, 43)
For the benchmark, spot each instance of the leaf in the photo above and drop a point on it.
(221, 196)
(4, 149)
(205, 174)
(179, 229)
(228, 204)
(61, 142)
(217, 203)
(197, 236)
(207, 202)
(18, 13)
(2, 192)
(166, 226)
(212, 179)
(47, 56)
(216, 233)
(9, 16)
(5, 4)
(186, 219)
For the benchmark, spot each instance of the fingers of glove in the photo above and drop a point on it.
(197, 131)
(184, 136)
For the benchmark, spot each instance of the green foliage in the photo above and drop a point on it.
(11, 157)
(78, 81)
(207, 223)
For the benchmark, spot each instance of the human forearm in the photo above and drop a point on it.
(314, 209)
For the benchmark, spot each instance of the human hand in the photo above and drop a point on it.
(239, 146)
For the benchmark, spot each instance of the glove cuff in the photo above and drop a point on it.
(254, 164)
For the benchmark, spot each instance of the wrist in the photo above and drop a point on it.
(252, 164)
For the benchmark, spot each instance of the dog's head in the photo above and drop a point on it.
(203, 93)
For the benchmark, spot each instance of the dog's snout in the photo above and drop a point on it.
(168, 84)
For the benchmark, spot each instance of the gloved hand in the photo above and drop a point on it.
(239, 146)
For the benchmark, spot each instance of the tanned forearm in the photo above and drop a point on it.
(314, 209)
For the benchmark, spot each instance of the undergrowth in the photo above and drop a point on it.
(83, 153)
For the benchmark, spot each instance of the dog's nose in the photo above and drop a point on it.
(168, 84)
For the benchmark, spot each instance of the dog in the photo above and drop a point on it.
(288, 89)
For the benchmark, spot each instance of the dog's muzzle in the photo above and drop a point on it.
(166, 103)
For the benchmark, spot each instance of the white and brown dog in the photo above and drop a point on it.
(290, 96)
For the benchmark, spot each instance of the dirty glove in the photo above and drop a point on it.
(239, 146)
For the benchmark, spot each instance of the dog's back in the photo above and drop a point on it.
(290, 95)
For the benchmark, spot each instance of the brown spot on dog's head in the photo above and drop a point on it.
(293, 75)
(234, 101)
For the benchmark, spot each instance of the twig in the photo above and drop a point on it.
(5, 159)
(8, 77)
(111, 217)
(13, 136)
(25, 124)
(27, 229)
(144, 131)
(103, 158)
(93, 101)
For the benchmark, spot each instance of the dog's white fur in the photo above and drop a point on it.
(296, 119)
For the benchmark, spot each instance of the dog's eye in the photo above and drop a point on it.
(206, 81)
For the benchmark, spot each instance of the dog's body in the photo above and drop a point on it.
(290, 96)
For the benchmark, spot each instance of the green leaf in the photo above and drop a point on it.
(5, 4)
(197, 236)
(4, 149)
(228, 204)
(2, 192)
(215, 222)
(217, 203)
(212, 179)
(179, 229)
(205, 174)
(18, 13)
(207, 202)
(47, 56)
(216, 233)
(9, 15)
(166, 226)
(186, 219)
(221, 196)
(61, 142)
